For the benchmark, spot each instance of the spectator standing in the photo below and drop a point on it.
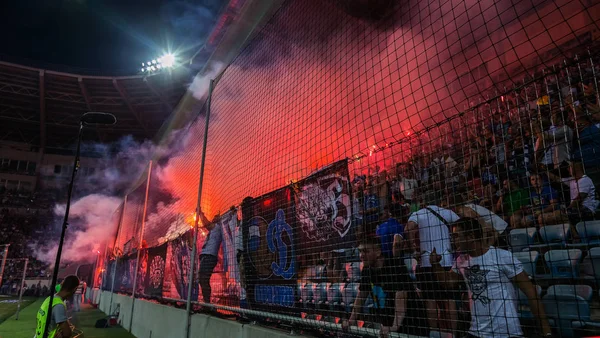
(386, 282)
(386, 232)
(78, 296)
(489, 274)
(59, 323)
(209, 254)
(428, 230)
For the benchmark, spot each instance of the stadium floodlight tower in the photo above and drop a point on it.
(90, 119)
(162, 63)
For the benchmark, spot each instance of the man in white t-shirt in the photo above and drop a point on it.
(427, 230)
(489, 274)
(583, 204)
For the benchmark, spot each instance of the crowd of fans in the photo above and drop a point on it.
(436, 231)
(22, 222)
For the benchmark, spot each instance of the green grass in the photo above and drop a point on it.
(85, 320)
(8, 306)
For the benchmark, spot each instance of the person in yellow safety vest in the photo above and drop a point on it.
(59, 324)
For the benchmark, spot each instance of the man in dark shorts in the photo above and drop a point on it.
(385, 280)
(427, 230)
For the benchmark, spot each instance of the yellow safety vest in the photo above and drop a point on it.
(43, 314)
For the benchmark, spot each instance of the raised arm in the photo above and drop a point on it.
(451, 278)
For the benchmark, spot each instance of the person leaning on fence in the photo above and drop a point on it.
(386, 282)
(59, 324)
(209, 254)
(489, 273)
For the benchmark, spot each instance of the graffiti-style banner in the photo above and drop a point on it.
(269, 241)
(323, 209)
(154, 271)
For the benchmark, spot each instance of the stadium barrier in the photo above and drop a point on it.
(339, 126)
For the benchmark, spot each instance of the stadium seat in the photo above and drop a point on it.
(584, 291)
(554, 236)
(306, 293)
(563, 263)
(334, 294)
(567, 305)
(521, 239)
(353, 271)
(523, 303)
(349, 294)
(319, 293)
(589, 233)
(528, 259)
(594, 255)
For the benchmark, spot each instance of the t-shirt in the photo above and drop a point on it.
(382, 285)
(491, 292)
(59, 315)
(407, 187)
(79, 290)
(386, 231)
(491, 219)
(433, 233)
(213, 240)
(542, 200)
(586, 186)
(372, 208)
(515, 200)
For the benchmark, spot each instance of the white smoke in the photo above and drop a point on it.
(200, 86)
(92, 214)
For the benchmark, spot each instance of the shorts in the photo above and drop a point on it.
(432, 289)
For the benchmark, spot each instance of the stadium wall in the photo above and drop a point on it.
(156, 320)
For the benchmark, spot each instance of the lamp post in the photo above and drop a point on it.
(87, 119)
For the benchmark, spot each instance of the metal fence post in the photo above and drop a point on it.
(137, 263)
(21, 291)
(114, 274)
(3, 262)
(196, 221)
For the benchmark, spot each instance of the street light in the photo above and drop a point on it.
(87, 119)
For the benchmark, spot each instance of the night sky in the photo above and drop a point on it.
(102, 36)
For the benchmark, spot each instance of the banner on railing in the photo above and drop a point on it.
(232, 243)
(124, 276)
(270, 240)
(155, 269)
(177, 268)
(323, 209)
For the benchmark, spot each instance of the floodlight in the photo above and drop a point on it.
(153, 62)
(142, 64)
(158, 66)
(168, 60)
(142, 70)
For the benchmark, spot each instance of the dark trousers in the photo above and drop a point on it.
(207, 265)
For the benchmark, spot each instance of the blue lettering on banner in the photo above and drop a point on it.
(286, 267)
(274, 295)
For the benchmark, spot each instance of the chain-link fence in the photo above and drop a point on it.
(403, 166)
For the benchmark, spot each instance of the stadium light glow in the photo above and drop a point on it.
(168, 60)
(165, 61)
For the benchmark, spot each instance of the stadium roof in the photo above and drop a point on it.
(42, 107)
